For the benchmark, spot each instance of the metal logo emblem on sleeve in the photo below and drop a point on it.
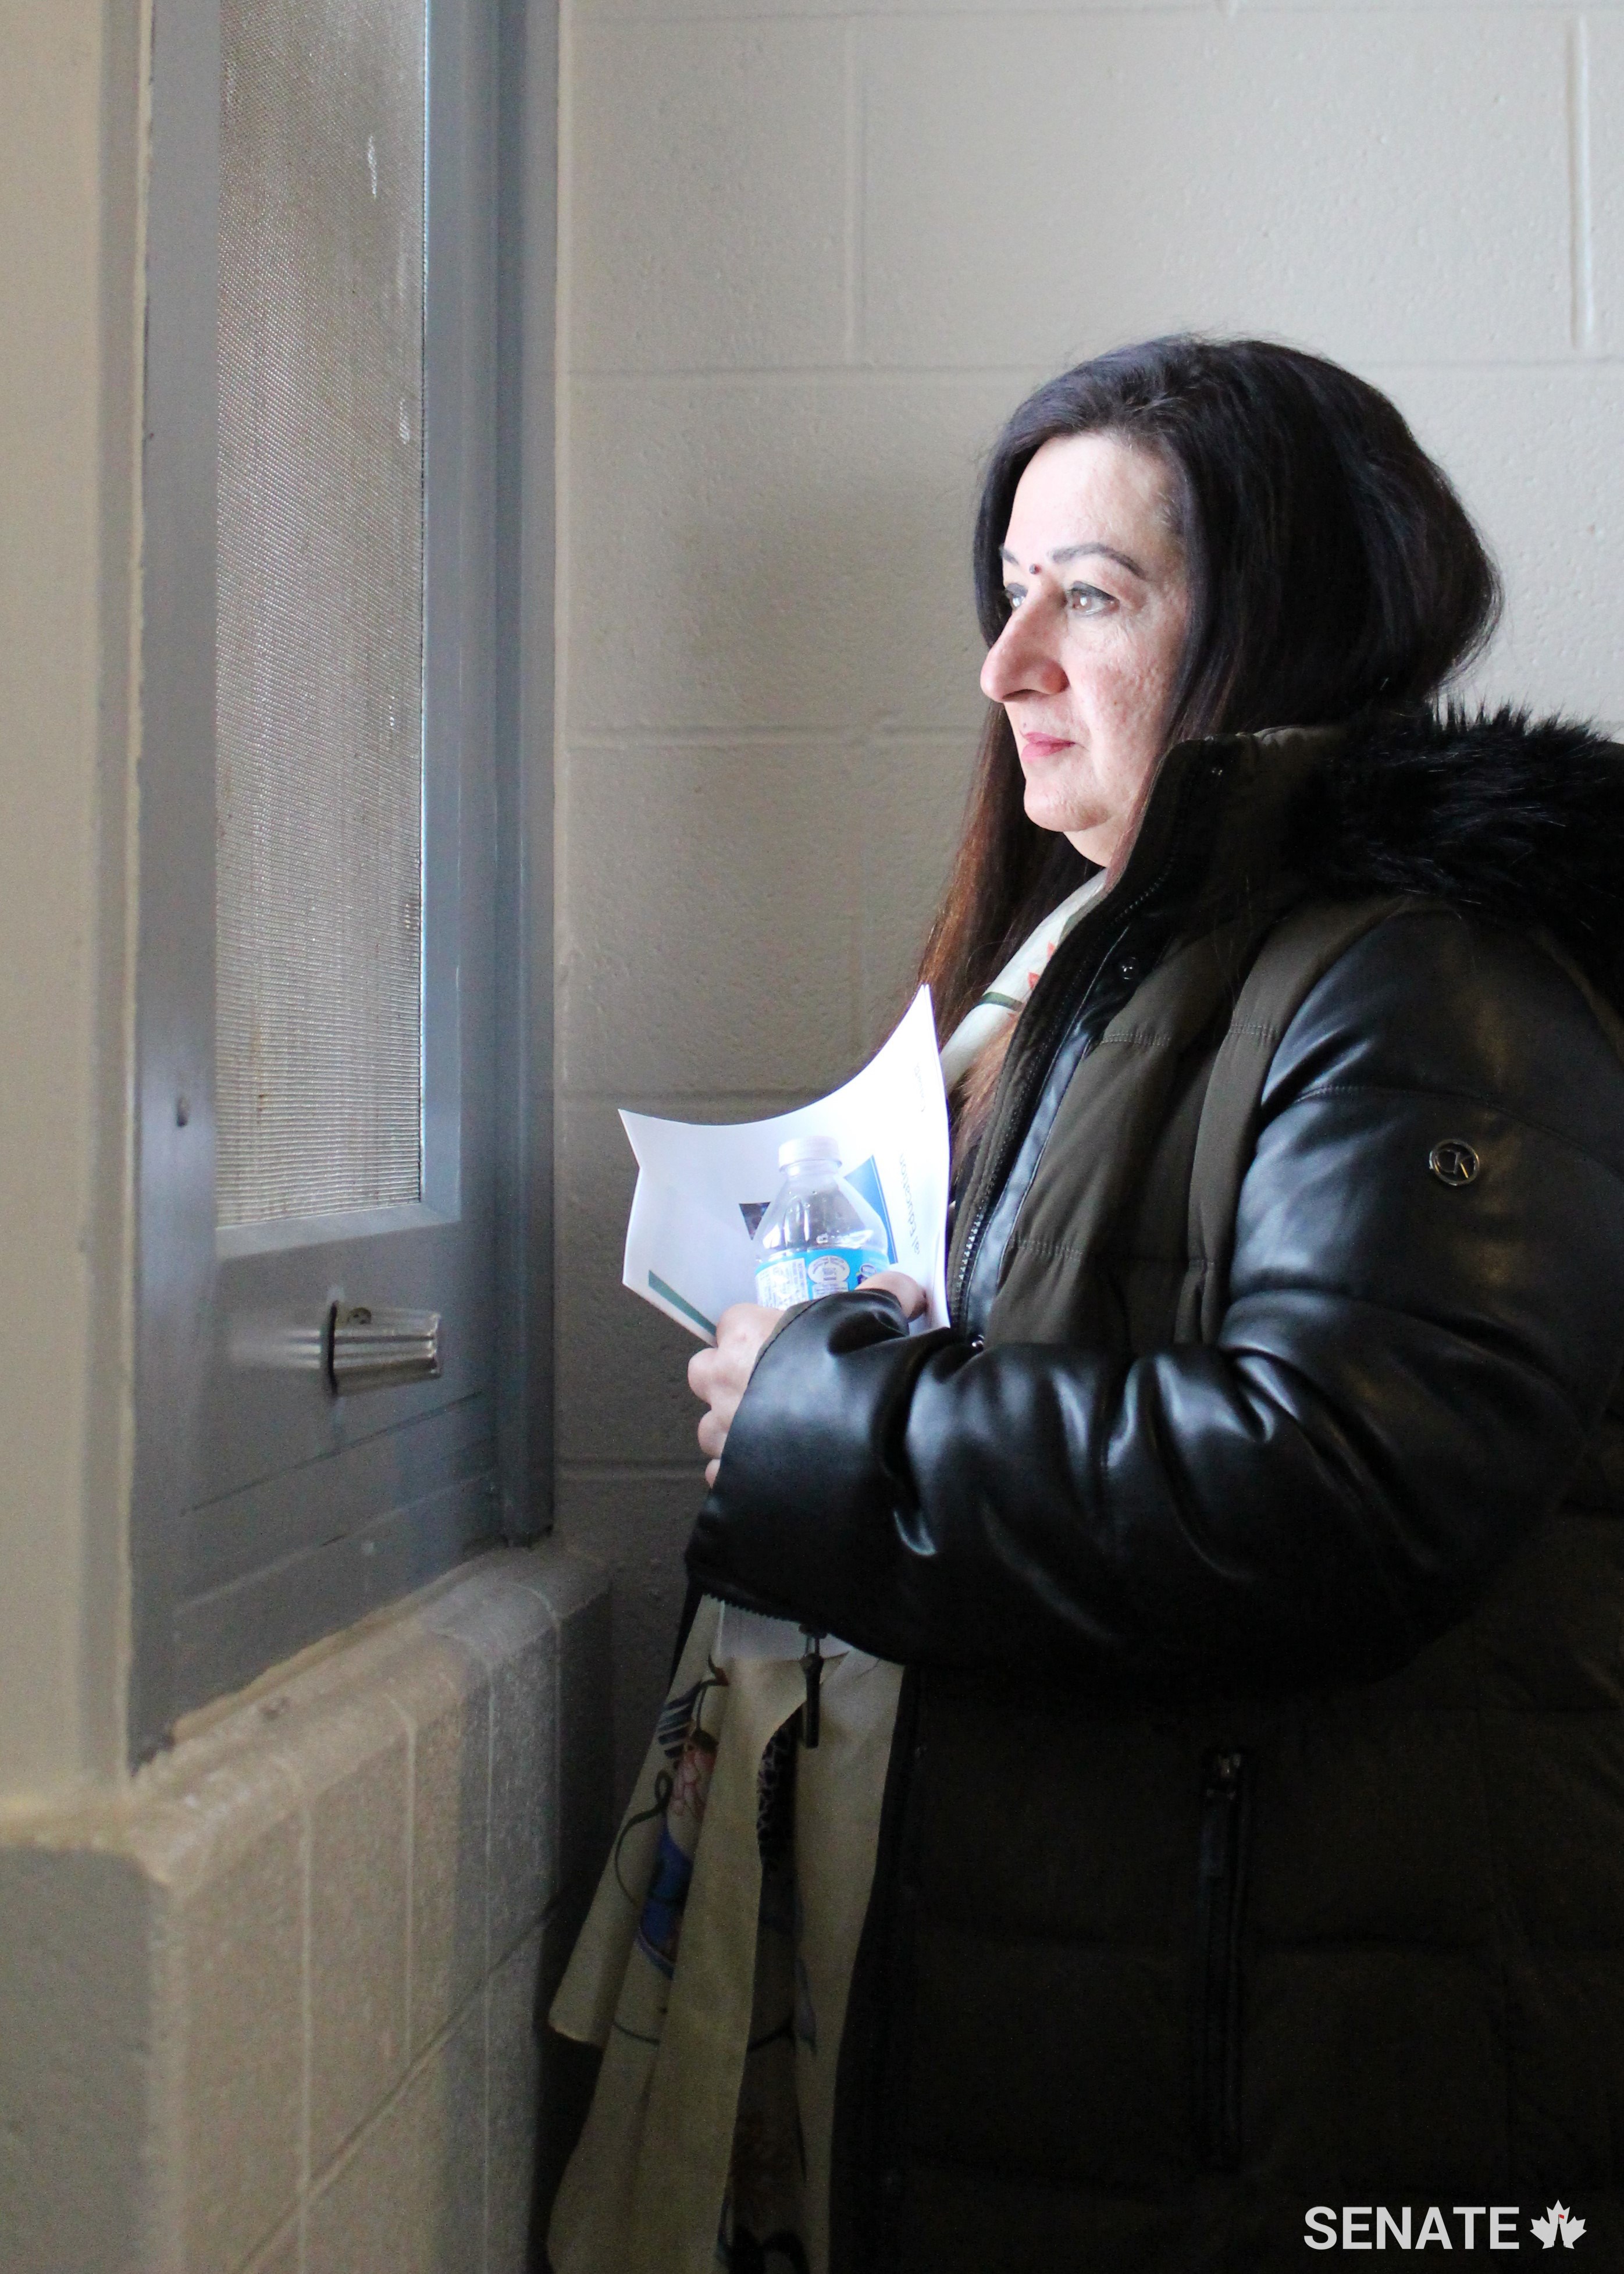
(1454, 1162)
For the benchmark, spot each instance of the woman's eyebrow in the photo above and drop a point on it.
(1076, 552)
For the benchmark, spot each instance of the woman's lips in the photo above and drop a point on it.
(1043, 746)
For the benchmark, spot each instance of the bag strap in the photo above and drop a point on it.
(1293, 958)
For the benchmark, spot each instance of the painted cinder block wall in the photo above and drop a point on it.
(810, 256)
(273, 2008)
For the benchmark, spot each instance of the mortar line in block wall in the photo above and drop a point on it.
(350, 2145)
(677, 1102)
(615, 1472)
(165, 2221)
(1018, 378)
(854, 194)
(553, 1882)
(563, 336)
(306, 2020)
(485, 2126)
(499, 1956)
(490, 1793)
(891, 12)
(740, 742)
(856, 935)
(411, 1870)
(1579, 184)
(1022, 376)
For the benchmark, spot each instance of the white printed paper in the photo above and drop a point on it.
(702, 1187)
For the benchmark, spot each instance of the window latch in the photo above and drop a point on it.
(368, 1348)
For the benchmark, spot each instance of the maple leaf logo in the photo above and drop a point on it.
(1558, 2220)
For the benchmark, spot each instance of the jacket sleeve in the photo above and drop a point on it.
(1405, 1378)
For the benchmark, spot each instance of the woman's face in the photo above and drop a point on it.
(1086, 665)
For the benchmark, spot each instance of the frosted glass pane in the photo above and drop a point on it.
(320, 700)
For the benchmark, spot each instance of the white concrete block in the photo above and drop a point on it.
(707, 902)
(1535, 455)
(280, 2253)
(443, 1691)
(744, 555)
(914, 788)
(586, 1747)
(523, 1789)
(571, 1586)
(1603, 286)
(721, 910)
(409, 2195)
(638, 1527)
(228, 1851)
(574, 1593)
(1037, 188)
(77, 2047)
(171, 2003)
(706, 191)
(512, 1631)
(513, 2078)
(351, 1760)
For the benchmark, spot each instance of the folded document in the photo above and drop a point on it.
(702, 1187)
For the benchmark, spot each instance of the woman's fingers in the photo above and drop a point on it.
(908, 1291)
(741, 1330)
(718, 1376)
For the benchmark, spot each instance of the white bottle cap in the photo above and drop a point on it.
(809, 1152)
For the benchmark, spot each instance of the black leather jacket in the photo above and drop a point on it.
(1253, 1828)
(1405, 1379)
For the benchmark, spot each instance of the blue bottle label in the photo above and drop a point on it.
(801, 1275)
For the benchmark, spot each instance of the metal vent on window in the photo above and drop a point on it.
(320, 657)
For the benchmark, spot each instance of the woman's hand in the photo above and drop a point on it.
(718, 1376)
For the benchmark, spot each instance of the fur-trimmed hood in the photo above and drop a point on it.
(1518, 818)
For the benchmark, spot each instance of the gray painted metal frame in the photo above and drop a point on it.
(174, 991)
(526, 269)
(265, 1513)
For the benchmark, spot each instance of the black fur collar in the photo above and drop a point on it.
(1519, 818)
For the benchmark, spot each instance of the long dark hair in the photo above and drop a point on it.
(1331, 567)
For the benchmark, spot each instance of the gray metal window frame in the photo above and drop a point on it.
(311, 1545)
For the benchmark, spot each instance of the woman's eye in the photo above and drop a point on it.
(1014, 594)
(1087, 600)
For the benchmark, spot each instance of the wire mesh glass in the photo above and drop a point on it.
(319, 655)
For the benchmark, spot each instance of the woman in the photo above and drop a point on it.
(1253, 1840)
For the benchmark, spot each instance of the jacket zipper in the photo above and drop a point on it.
(1035, 1072)
(1220, 1890)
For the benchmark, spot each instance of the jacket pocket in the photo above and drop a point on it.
(1219, 1893)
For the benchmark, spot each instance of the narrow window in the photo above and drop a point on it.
(318, 878)
(318, 1021)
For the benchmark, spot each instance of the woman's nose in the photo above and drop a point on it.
(1024, 658)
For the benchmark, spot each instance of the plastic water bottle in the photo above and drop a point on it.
(819, 1237)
